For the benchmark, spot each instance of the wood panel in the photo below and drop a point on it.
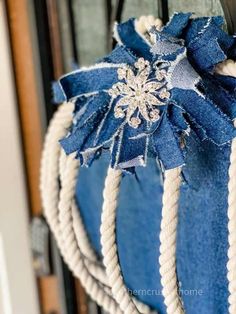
(28, 100)
(48, 288)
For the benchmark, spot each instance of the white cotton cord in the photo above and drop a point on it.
(80, 232)
(72, 228)
(231, 265)
(72, 253)
(50, 193)
(108, 241)
(167, 259)
(49, 167)
(228, 68)
(90, 259)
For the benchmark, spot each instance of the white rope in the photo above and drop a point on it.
(228, 68)
(167, 257)
(109, 246)
(231, 265)
(50, 193)
(71, 225)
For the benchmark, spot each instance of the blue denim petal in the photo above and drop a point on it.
(104, 131)
(218, 127)
(89, 81)
(108, 126)
(203, 29)
(94, 103)
(120, 55)
(57, 92)
(208, 55)
(183, 75)
(166, 145)
(129, 37)
(166, 48)
(196, 128)
(129, 150)
(228, 82)
(86, 127)
(216, 92)
(207, 43)
(177, 24)
(74, 141)
(177, 119)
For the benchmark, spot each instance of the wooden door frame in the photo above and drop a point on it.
(18, 290)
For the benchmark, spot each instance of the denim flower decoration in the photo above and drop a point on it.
(140, 100)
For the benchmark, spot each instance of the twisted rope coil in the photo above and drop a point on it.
(228, 68)
(108, 241)
(168, 232)
(50, 197)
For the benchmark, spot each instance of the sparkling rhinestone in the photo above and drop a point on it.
(123, 101)
(160, 74)
(140, 64)
(134, 122)
(155, 115)
(119, 113)
(153, 86)
(112, 92)
(122, 73)
(123, 88)
(138, 93)
(164, 94)
(142, 105)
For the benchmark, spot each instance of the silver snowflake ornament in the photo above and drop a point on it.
(138, 93)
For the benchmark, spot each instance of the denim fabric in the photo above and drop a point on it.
(119, 55)
(207, 114)
(177, 24)
(218, 88)
(228, 83)
(95, 126)
(130, 38)
(206, 42)
(87, 82)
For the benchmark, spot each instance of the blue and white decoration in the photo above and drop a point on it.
(143, 98)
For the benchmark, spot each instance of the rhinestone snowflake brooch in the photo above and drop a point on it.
(138, 93)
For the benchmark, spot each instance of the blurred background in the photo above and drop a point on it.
(39, 41)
